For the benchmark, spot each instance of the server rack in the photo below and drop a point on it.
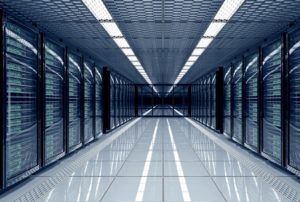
(74, 98)
(201, 108)
(293, 104)
(208, 101)
(237, 115)
(213, 102)
(54, 81)
(117, 100)
(98, 101)
(272, 108)
(21, 94)
(227, 101)
(88, 93)
(112, 102)
(251, 115)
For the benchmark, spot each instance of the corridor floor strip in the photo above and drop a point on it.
(184, 189)
(143, 180)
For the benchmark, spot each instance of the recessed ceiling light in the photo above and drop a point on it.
(226, 11)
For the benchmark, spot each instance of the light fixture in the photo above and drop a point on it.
(225, 12)
(101, 13)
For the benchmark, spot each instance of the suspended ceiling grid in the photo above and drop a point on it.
(162, 33)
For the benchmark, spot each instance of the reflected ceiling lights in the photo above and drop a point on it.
(99, 10)
(226, 11)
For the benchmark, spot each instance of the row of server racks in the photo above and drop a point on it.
(206, 96)
(51, 102)
(261, 100)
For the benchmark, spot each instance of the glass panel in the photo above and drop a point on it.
(98, 101)
(74, 80)
(237, 100)
(227, 101)
(272, 100)
(21, 102)
(294, 111)
(251, 100)
(88, 101)
(54, 97)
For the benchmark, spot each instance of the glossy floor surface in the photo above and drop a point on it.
(154, 159)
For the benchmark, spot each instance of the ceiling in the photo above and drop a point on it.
(162, 33)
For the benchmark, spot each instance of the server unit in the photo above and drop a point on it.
(20, 101)
(227, 101)
(88, 119)
(112, 102)
(213, 101)
(53, 101)
(98, 101)
(251, 81)
(74, 99)
(237, 115)
(272, 123)
(293, 119)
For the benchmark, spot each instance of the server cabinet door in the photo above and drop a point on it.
(98, 102)
(237, 101)
(20, 131)
(294, 103)
(271, 79)
(227, 102)
(75, 76)
(251, 101)
(54, 79)
(112, 102)
(213, 102)
(88, 101)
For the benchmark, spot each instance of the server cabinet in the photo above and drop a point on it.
(202, 107)
(116, 100)
(98, 101)
(54, 109)
(112, 102)
(213, 101)
(272, 134)
(227, 101)
(251, 75)
(205, 105)
(237, 76)
(74, 112)
(293, 146)
(20, 103)
(121, 102)
(88, 134)
(208, 101)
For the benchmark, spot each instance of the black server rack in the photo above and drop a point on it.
(227, 101)
(213, 101)
(20, 103)
(293, 143)
(74, 112)
(88, 110)
(208, 101)
(272, 133)
(98, 101)
(237, 115)
(53, 99)
(122, 101)
(118, 99)
(202, 108)
(251, 80)
(205, 101)
(112, 102)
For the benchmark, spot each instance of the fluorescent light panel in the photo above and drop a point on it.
(226, 11)
(100, 12)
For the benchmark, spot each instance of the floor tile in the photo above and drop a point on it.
(126, 189)
(198, 189)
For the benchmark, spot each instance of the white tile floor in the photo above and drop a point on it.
(165, 159)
